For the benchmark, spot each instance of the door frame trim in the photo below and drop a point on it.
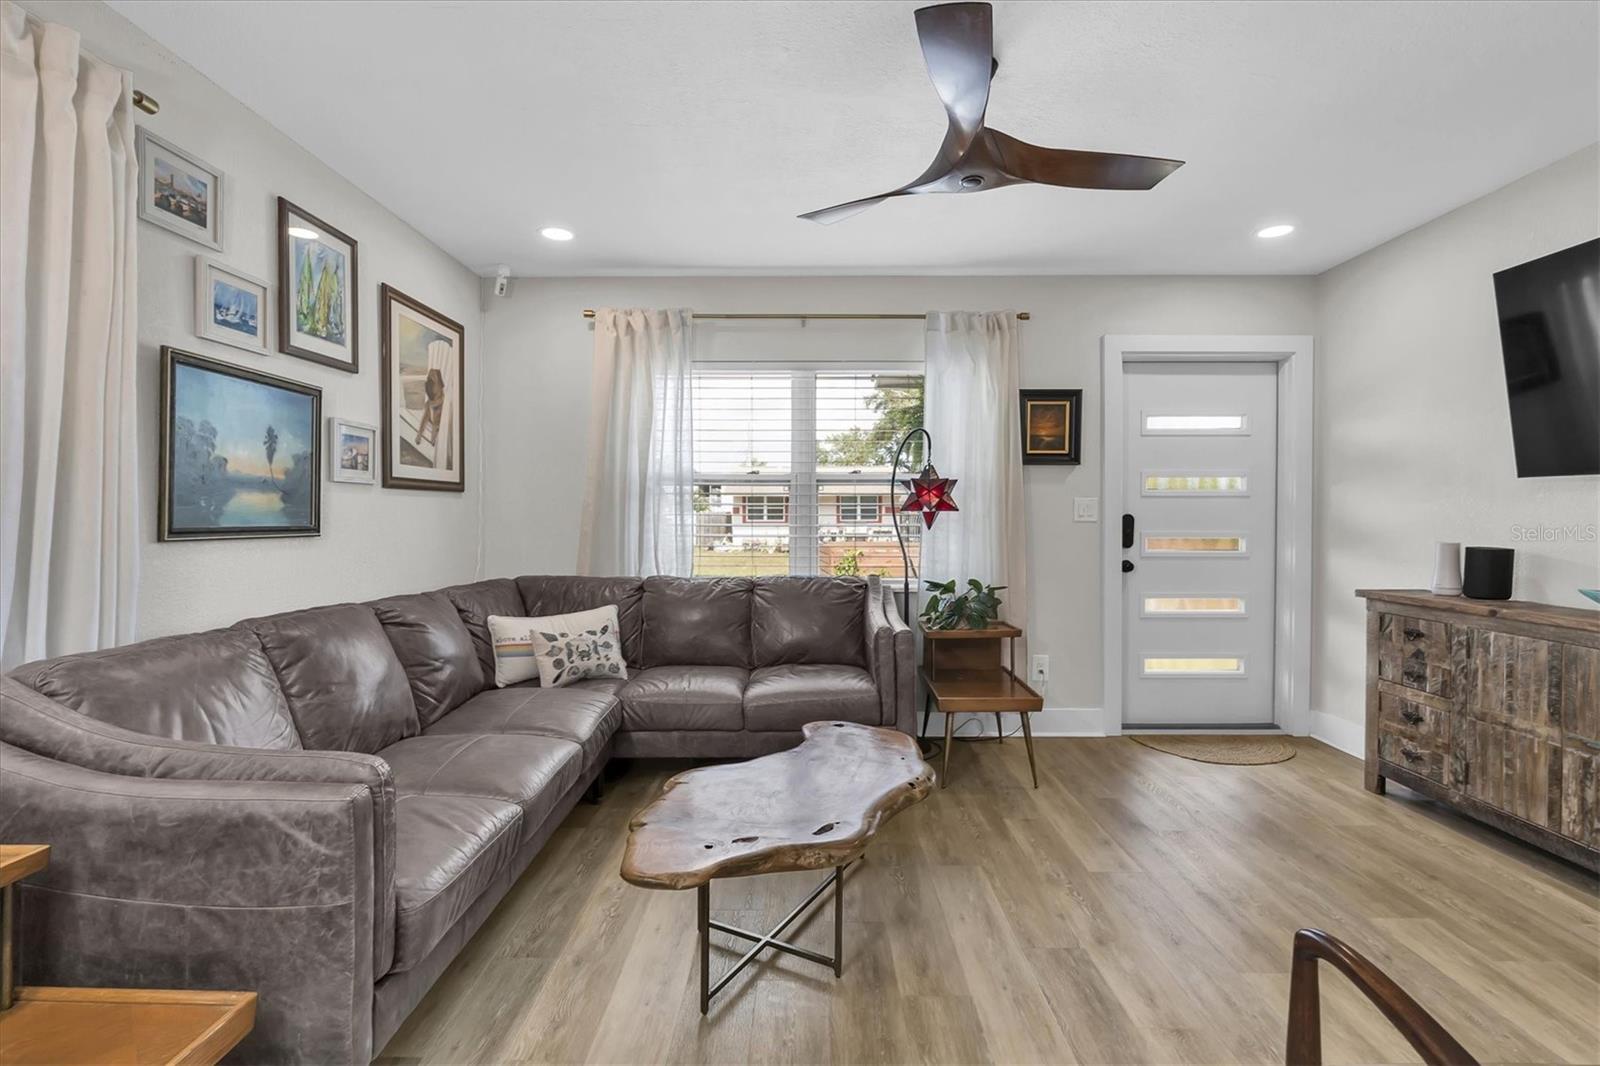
(1291, 690)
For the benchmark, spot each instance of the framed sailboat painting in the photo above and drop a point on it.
(229, 307)
(317, 317)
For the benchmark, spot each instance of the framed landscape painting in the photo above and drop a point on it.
(352, 452)
(179, 192)
(241, 452)
(424, 420)
(317, 314)
(229, 307)
(1052, 425)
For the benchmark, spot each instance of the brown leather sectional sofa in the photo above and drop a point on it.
(323, 806)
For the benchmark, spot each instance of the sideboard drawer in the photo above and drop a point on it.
(1406, 714)
(1423, 757)
(1415, 652)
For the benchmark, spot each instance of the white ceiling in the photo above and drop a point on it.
(684, 137)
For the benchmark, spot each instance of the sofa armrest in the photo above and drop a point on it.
(891, 657)
(259, 886)
(34, 722)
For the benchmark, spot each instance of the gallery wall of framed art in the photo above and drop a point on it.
(367, 534)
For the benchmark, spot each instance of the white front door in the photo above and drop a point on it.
(1199, 557)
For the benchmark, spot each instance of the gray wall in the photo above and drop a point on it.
(1413, 429)
(539, 349)
(374, 540)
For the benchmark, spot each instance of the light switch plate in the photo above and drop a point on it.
(1086, 509)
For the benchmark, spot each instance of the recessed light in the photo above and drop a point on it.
(555, 233)
(1275, 231)
(303, 233)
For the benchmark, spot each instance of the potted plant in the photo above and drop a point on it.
(976, 608)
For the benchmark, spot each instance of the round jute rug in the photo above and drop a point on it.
(1227, 750)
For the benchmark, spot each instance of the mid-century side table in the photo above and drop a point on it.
(47, 1026)
(965, 670)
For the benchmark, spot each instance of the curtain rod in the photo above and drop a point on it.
(1024, 316)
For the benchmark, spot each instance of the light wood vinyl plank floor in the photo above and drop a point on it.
(1137, 908)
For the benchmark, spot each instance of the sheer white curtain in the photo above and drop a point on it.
(970, 410)
(638, 508)
(69, 507)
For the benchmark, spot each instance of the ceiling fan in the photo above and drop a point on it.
(958, 46)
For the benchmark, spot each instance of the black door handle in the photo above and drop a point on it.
(1127, 531)
(1127, 566)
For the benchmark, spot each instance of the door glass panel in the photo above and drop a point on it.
(1193, 605)
(1194, 484)
(1156, 667)
(1180, 544)
(1180, 424)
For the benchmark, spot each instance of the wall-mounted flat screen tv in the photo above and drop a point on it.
(1550, 339)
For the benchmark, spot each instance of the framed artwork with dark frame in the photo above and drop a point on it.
(318, 317)
(424, 416)
(1052, 425)
(241, 452)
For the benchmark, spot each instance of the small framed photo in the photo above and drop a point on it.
(316, 290)
(179, 192)
(1052, 425)
(229, 307)
(352, 450)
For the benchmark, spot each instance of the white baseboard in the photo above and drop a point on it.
(1345, 734)
(1050, 722)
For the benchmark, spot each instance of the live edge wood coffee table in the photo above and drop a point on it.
(810, 808)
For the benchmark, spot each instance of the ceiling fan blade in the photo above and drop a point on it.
(1077, 170)
(839, 212)
(958, 46)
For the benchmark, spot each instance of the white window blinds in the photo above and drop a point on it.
(792, 469)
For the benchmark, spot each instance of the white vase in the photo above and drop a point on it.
(1447, 568)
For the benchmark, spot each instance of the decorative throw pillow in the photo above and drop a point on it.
(560, 648)
(512, 641)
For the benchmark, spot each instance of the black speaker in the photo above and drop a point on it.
(1488, 574)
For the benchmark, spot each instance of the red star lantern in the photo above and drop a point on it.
(930, 494)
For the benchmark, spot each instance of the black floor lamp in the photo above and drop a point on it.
(929, 494)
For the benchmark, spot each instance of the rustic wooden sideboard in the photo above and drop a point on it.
(1491, 706)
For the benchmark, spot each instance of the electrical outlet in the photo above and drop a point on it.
(1086, 509)
(1039, 669)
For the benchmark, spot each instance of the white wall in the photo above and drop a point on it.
(539, 349)
(374, 540)
(1413, 429)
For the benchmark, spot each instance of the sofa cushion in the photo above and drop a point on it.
(545, 595)
(586, 713)
(475, 603)
(345, 688)
(434, 648)
(448, 850)
(684, 697)
(529, 771)
(808, 620)
(697, 621)
(214, 688)
(781, 698)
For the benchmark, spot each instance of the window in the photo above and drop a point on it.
(1188, 544)
(1208, 667)
(1194, 484)
(765, 508)
(1194, 606)
(859, 508)
(1194, 425)
(792, 469)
